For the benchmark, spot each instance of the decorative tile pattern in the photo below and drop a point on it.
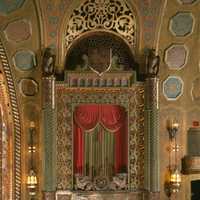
(196, 89)
(176, 56)
(8, 6)
(18, 31)
(173, 87)
(24, 60)
(181, 24)
(28, 87)
(187, 1)
(149, 11)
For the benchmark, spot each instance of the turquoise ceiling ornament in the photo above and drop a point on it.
(182, 24)
(24, 60)
(173, 88)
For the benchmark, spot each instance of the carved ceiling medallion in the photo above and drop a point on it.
(112, 15)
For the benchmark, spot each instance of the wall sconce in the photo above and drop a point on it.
(31, 178)
(172, 127)
(174, 182)
(32, 131)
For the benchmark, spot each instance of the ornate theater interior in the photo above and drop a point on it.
(99, 99)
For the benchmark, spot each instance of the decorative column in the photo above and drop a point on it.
(152, 158)
(49, 125)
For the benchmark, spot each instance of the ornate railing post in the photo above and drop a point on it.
(152, 158)
(49, 125)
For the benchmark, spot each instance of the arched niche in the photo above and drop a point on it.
(102, 43)
(83, 17)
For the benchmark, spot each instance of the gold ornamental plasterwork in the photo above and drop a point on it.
(132, 99)
(110, 15)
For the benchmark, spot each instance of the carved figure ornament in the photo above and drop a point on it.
(152, 63)
(48, 62)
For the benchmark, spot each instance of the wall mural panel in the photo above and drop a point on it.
(131, 99)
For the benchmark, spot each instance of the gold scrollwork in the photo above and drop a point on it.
(113, 15)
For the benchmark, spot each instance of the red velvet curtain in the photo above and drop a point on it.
(113, 118)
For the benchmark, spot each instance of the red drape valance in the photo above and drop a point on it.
(112, 118)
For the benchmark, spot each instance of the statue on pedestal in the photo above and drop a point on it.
(152, 63)
(48, 62)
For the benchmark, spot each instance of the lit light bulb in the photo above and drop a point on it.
(175, 180)
(32, 179)
(31, 149)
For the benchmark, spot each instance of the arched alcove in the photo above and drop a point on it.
(105, 48)
(115, 16)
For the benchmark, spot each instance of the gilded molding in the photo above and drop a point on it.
(113, 15)
(16, 122)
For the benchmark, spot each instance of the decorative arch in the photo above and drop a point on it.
(71, 11)
(113, 15)
(100, 39)
(16, 122)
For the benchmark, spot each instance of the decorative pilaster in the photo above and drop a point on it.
(49, 124)
(152, 168)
